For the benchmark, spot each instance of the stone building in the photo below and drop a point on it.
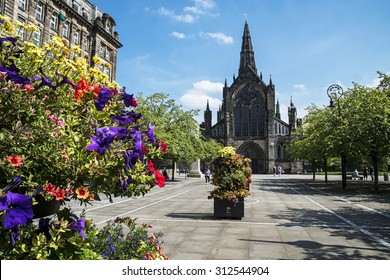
(249, 118)
(78, 21)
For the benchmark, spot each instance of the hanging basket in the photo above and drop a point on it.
(45, 207)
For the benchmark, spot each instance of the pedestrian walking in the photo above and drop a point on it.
(207, 175)
(371, 173)
(274, 170)
(365, 173)
(280, 170)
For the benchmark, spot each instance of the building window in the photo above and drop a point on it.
(37, 37)
(107, 71)
(38, 12)
(76, 6)
(65, 30)
(20, 29)
(53, 22)
(101, 50)
(107, 54)
(85, 14)
(22, 4)
(86, 43)
(76, 38)
(108, 28)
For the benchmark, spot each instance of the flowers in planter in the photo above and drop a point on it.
(231, 176)
(66, 132)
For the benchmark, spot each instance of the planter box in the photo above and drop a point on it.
(227, 209)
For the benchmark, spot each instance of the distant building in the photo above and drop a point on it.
(78, 21)
(249, 119)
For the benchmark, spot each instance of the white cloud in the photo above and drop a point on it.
(178, 35)
(201, 91)
(201, 7)
(189, 13)
(187, 18)
(219, 36)
(300, 87)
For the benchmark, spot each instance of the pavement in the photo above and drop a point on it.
(286, 218)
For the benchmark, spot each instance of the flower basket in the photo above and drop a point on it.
(228, 209)
(231, 178)
(45, 207)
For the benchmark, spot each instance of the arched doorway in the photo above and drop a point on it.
(256, 154)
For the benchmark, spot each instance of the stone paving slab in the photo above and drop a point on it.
(279, 223)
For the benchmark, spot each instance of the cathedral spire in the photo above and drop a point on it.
(207, 107)
(247, 57)
(277, 114)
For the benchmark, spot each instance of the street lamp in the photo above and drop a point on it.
(335, 92)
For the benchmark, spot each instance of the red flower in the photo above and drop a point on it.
(15, 160)
(145, 150)
(50, 188)
(60, 194)
(159, 179)
(163, 147)
(151, 166)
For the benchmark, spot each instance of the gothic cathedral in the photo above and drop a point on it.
(249, 119)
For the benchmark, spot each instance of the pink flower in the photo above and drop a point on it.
(53, 118)
(60, 123)
(28, 88)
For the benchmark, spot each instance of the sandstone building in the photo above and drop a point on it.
(78, 21)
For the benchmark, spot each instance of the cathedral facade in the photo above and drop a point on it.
(249, 117)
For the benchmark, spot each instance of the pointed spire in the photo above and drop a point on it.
(270, 79)
(247, 57)
(277, 114)
(291, 102)
(207, 107)
(225, 83)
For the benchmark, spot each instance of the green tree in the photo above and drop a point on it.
(369, 130)
(178, 127)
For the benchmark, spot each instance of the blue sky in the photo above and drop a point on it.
(187, 48)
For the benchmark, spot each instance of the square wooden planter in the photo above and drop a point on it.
(228, 209)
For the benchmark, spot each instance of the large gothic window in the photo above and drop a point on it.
(249, 121)
(249, 113)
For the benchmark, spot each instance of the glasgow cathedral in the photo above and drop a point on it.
(249, 120)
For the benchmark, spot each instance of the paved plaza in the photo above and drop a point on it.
(286, 218)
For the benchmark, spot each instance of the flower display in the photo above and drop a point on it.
(231, 175)
(66, 132)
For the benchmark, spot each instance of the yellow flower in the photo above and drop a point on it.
(75, 49)
(97, 60)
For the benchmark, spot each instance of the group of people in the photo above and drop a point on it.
(366, 171)
(278, 170)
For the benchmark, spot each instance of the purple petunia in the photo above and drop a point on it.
(151, 134)
(65, 80)
(103, 97)
(10, 39)
(137, 138)
(18, 209)
(131, 157)
(45, 82)
(127, 118)
(78, 226)
(125, 183)
(128, 99)
(14, 77)
(120, 132)
(102, 142)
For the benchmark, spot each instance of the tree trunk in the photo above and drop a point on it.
(326, 170)
(344, 170)
(173, 170)
(375, 161)
(314, 169)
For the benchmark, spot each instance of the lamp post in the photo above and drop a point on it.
(335, 92)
